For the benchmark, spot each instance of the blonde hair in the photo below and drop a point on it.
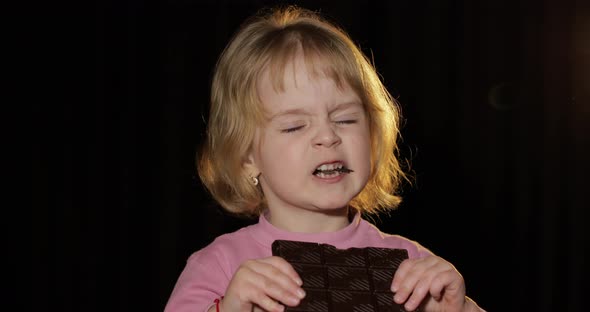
(269, 40)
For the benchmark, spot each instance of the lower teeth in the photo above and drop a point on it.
(328, 175)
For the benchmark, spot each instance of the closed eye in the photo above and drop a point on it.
(346, 122)
(289, 130)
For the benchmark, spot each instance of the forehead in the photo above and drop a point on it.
(302, 82)
(295, 72)
(298, 62)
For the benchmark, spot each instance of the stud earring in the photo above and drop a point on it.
(255, 181)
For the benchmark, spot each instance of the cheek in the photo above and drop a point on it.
(277, 152)
(362, 150)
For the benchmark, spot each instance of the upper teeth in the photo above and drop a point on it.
(326, 167)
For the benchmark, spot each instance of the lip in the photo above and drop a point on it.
(335, 179)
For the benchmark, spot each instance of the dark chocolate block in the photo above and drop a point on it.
(343, 280)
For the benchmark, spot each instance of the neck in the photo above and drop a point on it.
(308, 221)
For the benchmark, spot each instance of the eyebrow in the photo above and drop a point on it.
(301, 111)
(345, 105)
(294, 111)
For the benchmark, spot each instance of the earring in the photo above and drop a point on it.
(255, 180)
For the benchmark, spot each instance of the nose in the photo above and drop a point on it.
(326, 136)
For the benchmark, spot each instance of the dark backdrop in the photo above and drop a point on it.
(495, 96)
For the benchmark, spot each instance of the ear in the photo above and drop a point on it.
(249, 165)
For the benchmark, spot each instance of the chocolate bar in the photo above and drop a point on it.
(343, 280)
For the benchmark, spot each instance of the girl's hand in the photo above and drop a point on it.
(263, 284)
(433, 282)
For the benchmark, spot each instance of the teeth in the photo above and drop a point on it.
(326, 167)
(331, 170)
(328, 175)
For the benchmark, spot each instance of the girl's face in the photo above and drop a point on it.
(314, 153)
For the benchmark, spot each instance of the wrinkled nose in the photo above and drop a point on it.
(326, 136)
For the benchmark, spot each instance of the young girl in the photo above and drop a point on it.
(302, 134)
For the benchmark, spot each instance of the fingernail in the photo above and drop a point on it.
(299, 281)
(301, 293)
(294, 300)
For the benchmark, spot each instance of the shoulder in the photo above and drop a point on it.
(222, 245)
(206, 274)
(215, 263)
(231, 249)
(378, 238)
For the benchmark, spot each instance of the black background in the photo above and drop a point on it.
(495, 96)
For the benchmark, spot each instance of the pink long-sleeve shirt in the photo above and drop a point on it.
(208, 271)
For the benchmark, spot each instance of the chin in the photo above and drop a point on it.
(331, 207)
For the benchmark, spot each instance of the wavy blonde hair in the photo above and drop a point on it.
(270, 39)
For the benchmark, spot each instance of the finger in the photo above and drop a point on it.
(275, 284)
(283, 273)
(283, 296)
(249, 287)
(257, 290)
(419, 292)
(284, 267)
(256, 308)
(266, 303)
(448, 283)
(400, 274)
(406, 268)
(407, 276)
(438, 284)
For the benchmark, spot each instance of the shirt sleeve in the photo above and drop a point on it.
(416, 250)
(202, 280)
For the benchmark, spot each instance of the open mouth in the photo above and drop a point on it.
(331, 170)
